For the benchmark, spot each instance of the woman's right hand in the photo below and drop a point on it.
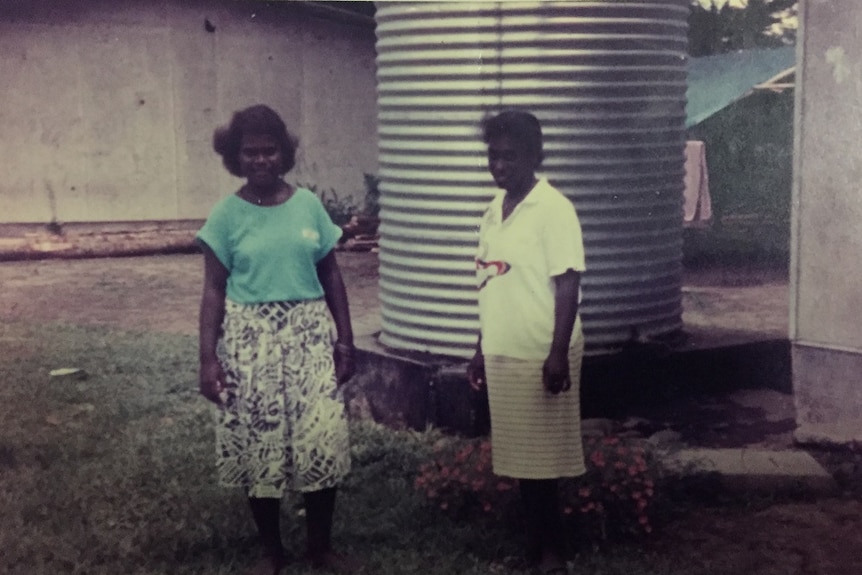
(476, 371)
(212, 381)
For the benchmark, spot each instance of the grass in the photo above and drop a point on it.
(114, 474)
(740, 244)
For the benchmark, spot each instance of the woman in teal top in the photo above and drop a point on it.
(267, 359)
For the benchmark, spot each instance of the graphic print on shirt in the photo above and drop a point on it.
(310, 234)
(486, 268)
(486, 271)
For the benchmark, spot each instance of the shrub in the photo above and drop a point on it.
(460, 480)
(340, 210)
(372, 195)
(749, 147)
(613, 500)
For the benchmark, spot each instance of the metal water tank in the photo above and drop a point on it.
(606, 79)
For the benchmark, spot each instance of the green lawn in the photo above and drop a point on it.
(114, 474)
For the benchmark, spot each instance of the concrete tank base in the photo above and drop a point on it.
(417, 390)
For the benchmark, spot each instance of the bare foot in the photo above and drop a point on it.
(335, 562)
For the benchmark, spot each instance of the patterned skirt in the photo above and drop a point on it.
(534, 434)
(283, 425)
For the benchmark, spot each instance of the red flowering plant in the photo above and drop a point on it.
(617, 495)
(460, 480)
(615, 498)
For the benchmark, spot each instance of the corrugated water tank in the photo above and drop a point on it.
(606, 79)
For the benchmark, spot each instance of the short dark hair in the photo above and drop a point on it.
(521, 126)
(256, 120)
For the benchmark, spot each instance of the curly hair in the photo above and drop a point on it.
(523, 127)
(257, 120)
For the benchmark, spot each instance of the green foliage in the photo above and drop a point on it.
(342, 209)
(372, 194)
(616, 497)
(115, 474)
(714, 30)
(460, 481)
(749, 148)
(128, 443)
(117, 470)
(740, 245)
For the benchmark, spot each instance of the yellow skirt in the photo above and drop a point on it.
(535, 435)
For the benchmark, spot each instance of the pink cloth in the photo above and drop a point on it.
(697, 207)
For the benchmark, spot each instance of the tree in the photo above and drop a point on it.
(715, 29)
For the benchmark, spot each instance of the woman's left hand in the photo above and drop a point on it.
(345, 362)
(555, 373)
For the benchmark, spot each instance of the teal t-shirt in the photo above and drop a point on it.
(271, 252)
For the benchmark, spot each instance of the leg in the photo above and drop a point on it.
(266, 516)
(319, 428)
(545, 541)
(319, 510)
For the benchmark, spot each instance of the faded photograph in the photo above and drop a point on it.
(439, 288)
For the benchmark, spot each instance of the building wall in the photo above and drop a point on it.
(827, 235)
(108, 108)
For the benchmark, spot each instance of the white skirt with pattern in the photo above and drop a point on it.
(283, 425)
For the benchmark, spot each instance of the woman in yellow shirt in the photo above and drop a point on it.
(530, 347)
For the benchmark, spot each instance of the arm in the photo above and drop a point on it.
(211, 315)
(556, 368)
(336, 299)
(476, 367)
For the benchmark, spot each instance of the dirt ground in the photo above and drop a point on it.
(161, 293)
(149, 293)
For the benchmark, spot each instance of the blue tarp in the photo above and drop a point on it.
(715, 82)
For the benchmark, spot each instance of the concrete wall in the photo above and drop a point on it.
(826, 299)
(108, 107)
